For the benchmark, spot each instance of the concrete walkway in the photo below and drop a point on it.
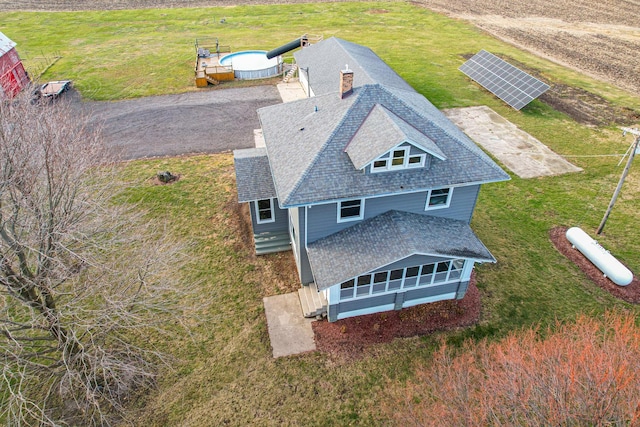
(291, 91)
(289, 332)
(523, 154)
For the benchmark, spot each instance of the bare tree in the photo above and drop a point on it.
(82, 281)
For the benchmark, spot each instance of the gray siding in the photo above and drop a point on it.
(359, 304)
(430, 291)
(281, 224)
(323, 218)
(302, 260)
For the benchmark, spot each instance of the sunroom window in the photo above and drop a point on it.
(432, 274)
(264, 211)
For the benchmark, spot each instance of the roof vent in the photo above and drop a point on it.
(346, 82)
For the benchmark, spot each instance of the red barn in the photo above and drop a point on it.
(13, 77)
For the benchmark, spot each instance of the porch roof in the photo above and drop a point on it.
(387, 238)
(253, 175)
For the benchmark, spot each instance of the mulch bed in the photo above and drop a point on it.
(350, 337)
(629, 293)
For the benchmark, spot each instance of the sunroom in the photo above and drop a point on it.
(393, 261)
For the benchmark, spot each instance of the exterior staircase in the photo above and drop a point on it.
(211, 80)
(267, 243)
(313, 303)
(290, 73)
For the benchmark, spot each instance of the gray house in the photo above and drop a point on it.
(369, 184)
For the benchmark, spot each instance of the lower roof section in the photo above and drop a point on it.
(387, 238)
(253, 175)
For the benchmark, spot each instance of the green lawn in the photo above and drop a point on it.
(224, 371)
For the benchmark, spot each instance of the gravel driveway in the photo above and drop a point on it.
(206, 121)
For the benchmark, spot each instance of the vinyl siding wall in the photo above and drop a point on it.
(297, 216)
(281, 223)
(323, 219)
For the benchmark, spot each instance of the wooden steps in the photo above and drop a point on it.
(290, 73)
(313, 303)
(267, 243)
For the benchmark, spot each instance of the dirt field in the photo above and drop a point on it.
(600, 38)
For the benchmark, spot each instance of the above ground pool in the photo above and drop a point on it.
(252, 64)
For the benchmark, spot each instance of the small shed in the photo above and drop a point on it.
(13, 76)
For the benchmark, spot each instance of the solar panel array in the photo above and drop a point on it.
(512, 85)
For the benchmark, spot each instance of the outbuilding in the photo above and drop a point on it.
(13, 76)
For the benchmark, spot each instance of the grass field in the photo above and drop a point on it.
(224, 373)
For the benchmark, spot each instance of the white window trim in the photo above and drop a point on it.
(405, 158)
(351, 218)
(423, 158)
(405, 164)
(273, 212)
(446, 205)
(466, 264)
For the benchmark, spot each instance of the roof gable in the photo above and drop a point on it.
(382, 131)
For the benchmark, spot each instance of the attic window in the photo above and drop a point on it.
(398, 158)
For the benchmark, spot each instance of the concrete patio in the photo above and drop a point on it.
(290, 333)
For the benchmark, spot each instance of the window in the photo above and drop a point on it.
(350, 210)
(346, 289)
(264, 211)
(380, 164)
(364, 285)
(456, 269)
(411, 277)
(399, 158)
(416, 161)
(403, 278)
(438, 198)
(380, 282)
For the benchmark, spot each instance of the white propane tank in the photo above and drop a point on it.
(599, 256)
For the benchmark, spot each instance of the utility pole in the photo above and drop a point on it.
(625, 172)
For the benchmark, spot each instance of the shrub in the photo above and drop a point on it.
(584, 373)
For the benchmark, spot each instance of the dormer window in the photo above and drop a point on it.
(399, 158)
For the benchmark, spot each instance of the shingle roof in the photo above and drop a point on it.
(324, 61)
(6, 44)
(253, 175)
(306, 141)
(381, 131)
(387, 238)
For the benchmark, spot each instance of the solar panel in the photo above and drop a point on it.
(512, 85)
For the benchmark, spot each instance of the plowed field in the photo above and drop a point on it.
(600, 38)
